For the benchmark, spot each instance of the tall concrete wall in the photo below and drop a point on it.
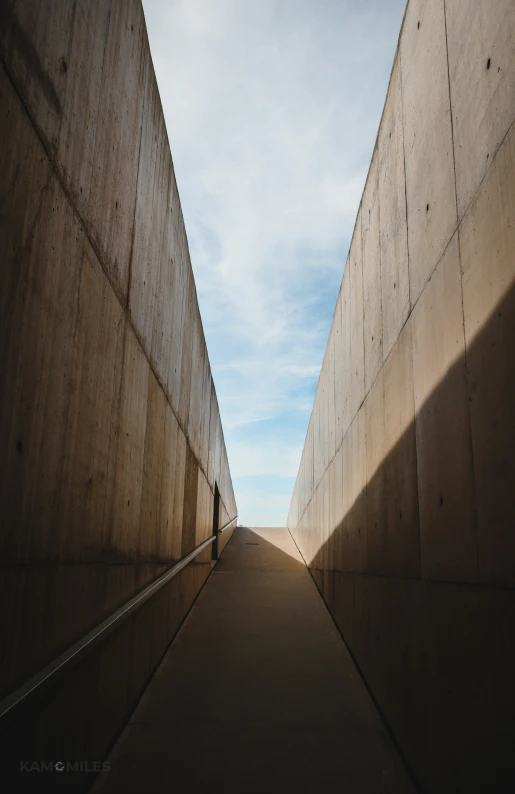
(110, 432)
(403, 505)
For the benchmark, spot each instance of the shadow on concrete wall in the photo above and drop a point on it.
(438, 654)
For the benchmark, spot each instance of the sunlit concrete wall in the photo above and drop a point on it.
(110, 434)
(404, 501)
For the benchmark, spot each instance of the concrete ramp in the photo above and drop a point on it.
(257, 693)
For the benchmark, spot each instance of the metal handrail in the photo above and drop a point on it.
(226, 526)
(74, 654)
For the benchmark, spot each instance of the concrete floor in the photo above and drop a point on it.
(257, 693)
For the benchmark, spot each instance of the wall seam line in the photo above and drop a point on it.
(412, 307)
(465, 348)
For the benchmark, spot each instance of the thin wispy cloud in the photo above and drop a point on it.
(272, 110)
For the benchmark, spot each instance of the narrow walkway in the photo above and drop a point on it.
(257, 693)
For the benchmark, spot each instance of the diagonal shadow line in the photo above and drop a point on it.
(265, 552)
(390, 496)
(415, 622)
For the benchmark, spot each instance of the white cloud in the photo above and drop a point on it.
(271, 457)
(272, 109)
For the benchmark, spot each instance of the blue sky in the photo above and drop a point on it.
(272, 109)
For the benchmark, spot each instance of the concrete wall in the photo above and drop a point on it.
(403, 505)
(109, 425)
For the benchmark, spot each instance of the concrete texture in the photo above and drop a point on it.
(487, 241)
(257, 692)
(428, 143)
(445, 475)
(395, 285)
(408, 526)
(111, 439)
(372, 302)
(482, 87)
